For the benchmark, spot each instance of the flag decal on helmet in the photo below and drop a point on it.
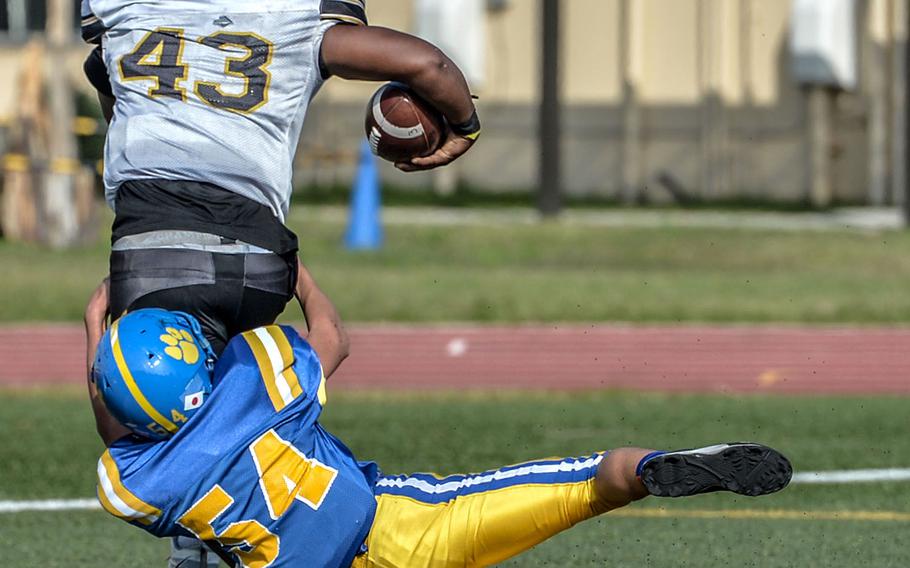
(192, 401)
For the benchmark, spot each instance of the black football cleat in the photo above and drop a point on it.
(741, 467)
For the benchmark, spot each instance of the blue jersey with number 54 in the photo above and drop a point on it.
(252, 468)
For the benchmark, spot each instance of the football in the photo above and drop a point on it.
(400, 125)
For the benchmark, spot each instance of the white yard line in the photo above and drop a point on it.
(804, 477)
(853, 476)
(49, 505)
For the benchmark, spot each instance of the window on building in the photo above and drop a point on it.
(19, 18)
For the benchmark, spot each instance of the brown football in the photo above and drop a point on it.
(400, 125)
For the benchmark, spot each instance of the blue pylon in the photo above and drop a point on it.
(364, 225)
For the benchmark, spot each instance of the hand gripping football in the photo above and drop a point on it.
(400, 125)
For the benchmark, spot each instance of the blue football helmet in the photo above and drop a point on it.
(153, 369)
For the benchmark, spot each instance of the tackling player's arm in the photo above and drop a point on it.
(96, 313)
(326, 333)
(380, 54)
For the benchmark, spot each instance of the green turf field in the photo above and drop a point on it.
(546, 272)
(48, 450)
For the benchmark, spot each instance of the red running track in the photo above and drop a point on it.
(686, 358)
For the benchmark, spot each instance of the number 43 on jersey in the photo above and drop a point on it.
(158, 58)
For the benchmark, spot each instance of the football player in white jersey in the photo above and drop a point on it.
(206, 100)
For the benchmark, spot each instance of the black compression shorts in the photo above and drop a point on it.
(227, 293)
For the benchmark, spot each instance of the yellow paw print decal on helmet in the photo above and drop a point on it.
(180, 345)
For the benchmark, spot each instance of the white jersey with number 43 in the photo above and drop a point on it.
(211, 90)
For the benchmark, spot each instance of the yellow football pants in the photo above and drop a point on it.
(424, 521)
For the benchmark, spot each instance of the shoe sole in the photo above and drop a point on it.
(742, 468)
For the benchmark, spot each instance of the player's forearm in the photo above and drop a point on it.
(380, 54)
(326, 333)
(95, 319)
(440, 81)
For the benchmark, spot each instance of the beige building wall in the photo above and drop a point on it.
(592, 71)
(671, 28)
(512, 53)
(765, 43)
(747, 38)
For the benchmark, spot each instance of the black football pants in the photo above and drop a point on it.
(228, 293)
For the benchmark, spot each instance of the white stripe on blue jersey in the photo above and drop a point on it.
(278, 366)
(106, 485)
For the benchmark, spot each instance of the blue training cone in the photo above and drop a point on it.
(364, 226)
